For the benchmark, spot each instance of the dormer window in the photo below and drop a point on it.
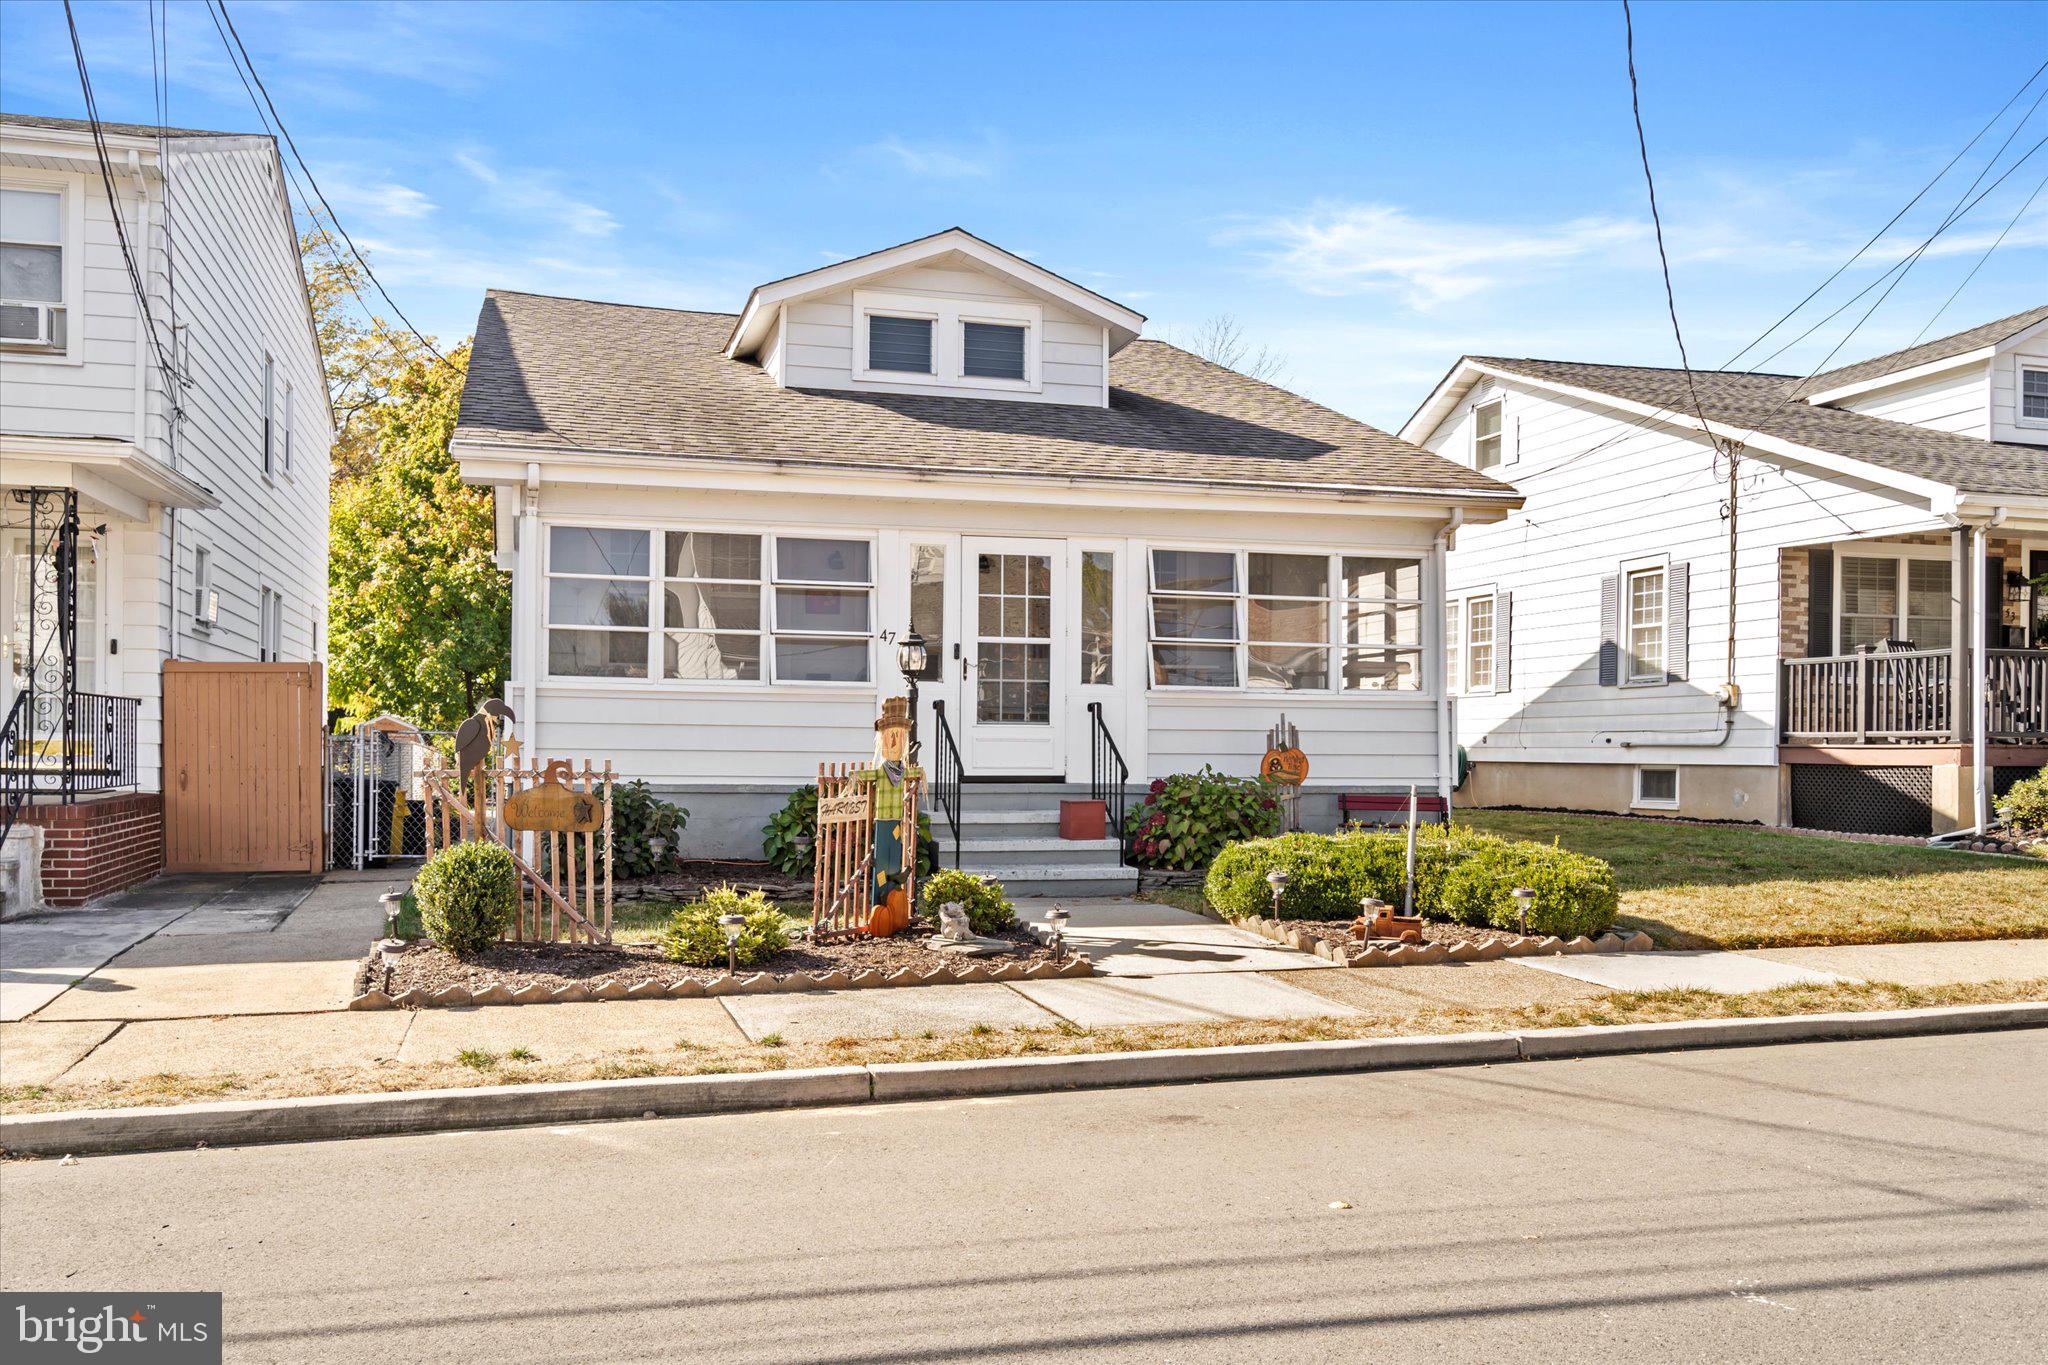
(1486, 435)
(899, 344)
(991, 350)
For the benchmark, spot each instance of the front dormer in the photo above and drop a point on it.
(944, 316)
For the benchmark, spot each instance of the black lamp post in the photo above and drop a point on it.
(911, 656)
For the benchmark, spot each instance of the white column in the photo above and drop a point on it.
(1980, 707)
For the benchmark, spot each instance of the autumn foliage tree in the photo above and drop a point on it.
(419, 614)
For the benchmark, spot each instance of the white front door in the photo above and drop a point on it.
(1014, 632)
(28, 584)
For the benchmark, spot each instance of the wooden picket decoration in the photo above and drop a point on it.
(543, 814)
(843, 880)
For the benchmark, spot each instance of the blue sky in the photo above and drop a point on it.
(1370, 190)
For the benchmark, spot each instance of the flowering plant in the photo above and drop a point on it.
(1187, 819)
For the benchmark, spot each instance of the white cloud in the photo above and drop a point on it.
(934, 161)
(1339, 249)
(378, 199)
(535, 195)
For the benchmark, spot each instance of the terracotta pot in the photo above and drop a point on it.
(1084, 820)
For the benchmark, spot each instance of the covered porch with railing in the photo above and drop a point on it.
(1918, 696)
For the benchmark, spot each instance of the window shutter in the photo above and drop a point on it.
(1820, 602)
(1677, 657)
(1994, 602)
(1503, 640)
(1610, 630)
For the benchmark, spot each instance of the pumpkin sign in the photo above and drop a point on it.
(1288, 766)
(554, 806)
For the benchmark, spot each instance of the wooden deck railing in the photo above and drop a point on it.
(1908, 697)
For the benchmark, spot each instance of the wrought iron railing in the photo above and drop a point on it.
(14, 787)
(1909, 696)
(946, 773)
(83, 753)
(1109, 778)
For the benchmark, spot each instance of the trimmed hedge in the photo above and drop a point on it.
(693, 934)
(467, 895)
(2025, 807)
(1460, 874)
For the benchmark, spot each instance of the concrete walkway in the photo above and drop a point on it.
(199, 976)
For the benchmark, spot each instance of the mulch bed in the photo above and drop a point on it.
(554, 965)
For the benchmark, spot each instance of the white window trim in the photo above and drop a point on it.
(1623, 625)
(657, 628)
(72, 211)
(1465, 598)
(1334, 603)
(1499, 403)
(948, 338)
(1900, 555)
(1451, 635)
(202, 589)
(1638, 801)
(2020, 365)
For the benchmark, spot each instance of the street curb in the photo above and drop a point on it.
(105, 1131)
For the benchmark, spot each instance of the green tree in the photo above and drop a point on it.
(420, 614)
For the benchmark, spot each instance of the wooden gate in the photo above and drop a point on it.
(242, 767)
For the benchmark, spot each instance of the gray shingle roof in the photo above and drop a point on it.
(568, 373)
(79, 125)
(1941, 348)
(1761, 402)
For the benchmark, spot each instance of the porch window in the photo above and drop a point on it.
(1382, 602)
(822, 592)
(1285, 622)
(32, 311)
(928, 607)
(1895, 598)
(711, 607)
(1646, 618)
(1098, 617)
(597, 602)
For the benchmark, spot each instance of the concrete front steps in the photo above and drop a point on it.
(1012, 833)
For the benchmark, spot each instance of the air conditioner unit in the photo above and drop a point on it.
(27, 324)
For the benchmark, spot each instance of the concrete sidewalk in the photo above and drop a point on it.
(255, 985)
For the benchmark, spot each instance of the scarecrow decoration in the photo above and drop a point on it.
(866, 844)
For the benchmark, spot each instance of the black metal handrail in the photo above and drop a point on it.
(89, 749)
(946, 773)
(14, 786)
(1109, 779)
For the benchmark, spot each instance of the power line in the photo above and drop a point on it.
(285, 133)
(99, 141)
(1890, 222)
(1996, 243)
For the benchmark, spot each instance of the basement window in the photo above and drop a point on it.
(1656, 789)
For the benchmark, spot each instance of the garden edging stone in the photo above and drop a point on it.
(95, 1132)
(1429, 954)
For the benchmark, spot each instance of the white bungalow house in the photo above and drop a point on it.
(1126, 561)
(1884, 639)
(163, 466)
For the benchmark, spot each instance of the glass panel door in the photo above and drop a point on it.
(1014, 641)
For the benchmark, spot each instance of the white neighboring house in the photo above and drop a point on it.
(719, 526)
(1594, 629)
(196, 459)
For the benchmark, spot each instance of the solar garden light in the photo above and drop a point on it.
(911, 657)
(1056, 918)
(393, 902)
(1277, 879)
(1525, 896)
(732, 924)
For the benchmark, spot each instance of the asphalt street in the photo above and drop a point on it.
(1823, 1202)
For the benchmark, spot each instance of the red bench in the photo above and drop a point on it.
(1387, 808)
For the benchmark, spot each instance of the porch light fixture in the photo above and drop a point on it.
(1525, 896)
(911, 657)
(1277, 879)
(732, 924)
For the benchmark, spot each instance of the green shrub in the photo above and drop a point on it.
(1460, 874)
(787, 838)
(988, 910)
(693, 934)
(467, 895)
(1575, 894)
(1187, 819)
(2026, 805)
(646, 830)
